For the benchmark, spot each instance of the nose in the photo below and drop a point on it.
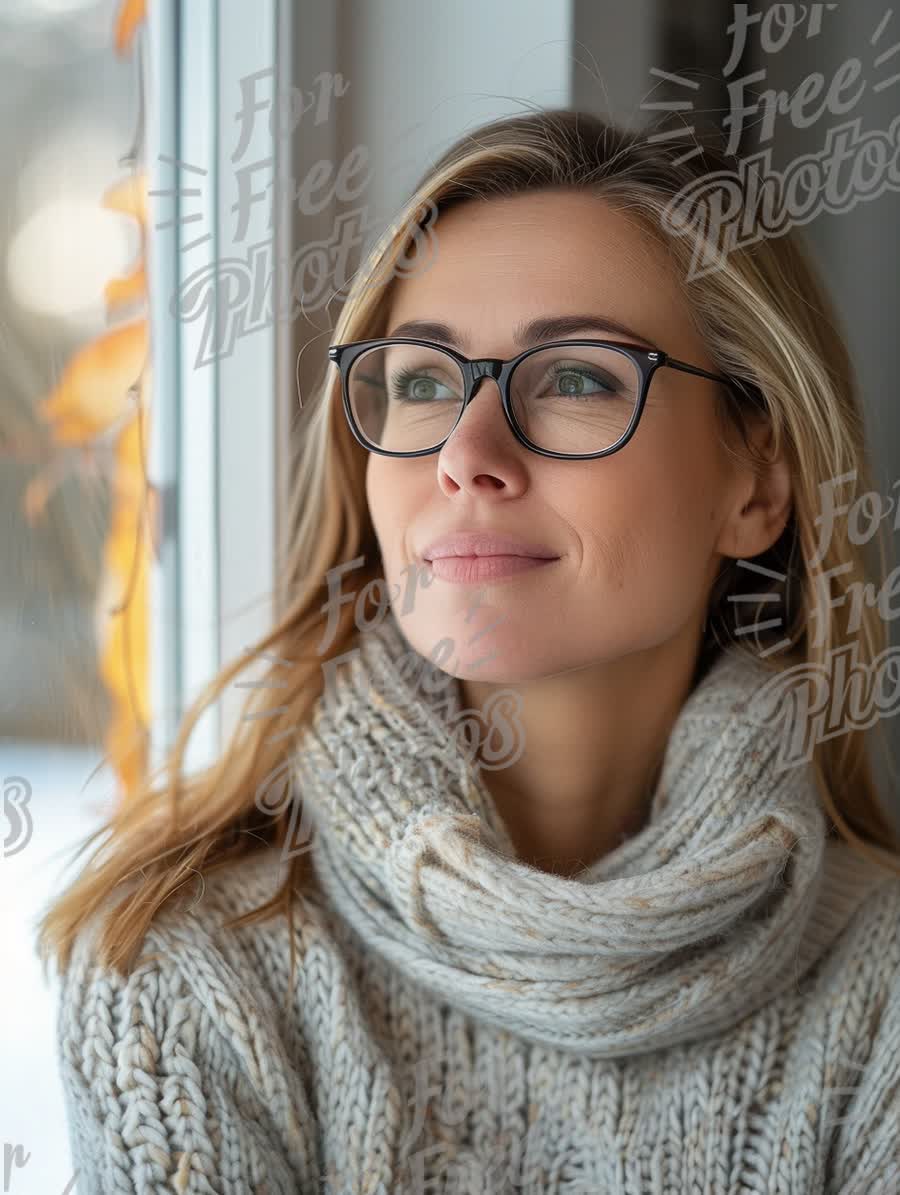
(485, 370)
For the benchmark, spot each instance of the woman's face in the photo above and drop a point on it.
(637, 534)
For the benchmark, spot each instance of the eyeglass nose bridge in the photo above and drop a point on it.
(487, 367)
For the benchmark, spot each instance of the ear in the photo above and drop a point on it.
(763, 500)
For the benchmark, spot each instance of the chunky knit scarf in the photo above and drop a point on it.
(727, 896)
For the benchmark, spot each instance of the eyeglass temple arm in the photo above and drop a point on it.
(745, 389)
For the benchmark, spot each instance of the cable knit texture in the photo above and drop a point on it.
(713, 1007)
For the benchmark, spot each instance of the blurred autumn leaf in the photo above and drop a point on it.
(91, 404)
(131, 14)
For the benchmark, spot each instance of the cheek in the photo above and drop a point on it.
(395, 497)
(375, 488)
(386, 496)
(648, 530)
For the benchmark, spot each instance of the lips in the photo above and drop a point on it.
(479, 543)
(469, 570)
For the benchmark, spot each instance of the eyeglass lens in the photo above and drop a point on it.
(407, 398)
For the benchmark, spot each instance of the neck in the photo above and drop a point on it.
(594, 742)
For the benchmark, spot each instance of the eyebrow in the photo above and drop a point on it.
(534, 331)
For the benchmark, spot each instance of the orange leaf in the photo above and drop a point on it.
(133, 439)
(118, 552)
(122, 633)
(131, 449)
(93, 390)
(128, 474)
(126, 745)
(130, 15)
(129, 196)
(125, 290)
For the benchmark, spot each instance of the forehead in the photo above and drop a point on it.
(498, 262)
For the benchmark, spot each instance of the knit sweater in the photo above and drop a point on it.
(713, 1006)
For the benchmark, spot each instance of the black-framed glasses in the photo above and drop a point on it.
(578, 399)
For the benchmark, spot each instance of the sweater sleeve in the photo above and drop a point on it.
(867, 1158)
(175, 1080)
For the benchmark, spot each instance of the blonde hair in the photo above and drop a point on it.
(767, 322)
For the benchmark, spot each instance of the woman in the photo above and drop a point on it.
(573, 897)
